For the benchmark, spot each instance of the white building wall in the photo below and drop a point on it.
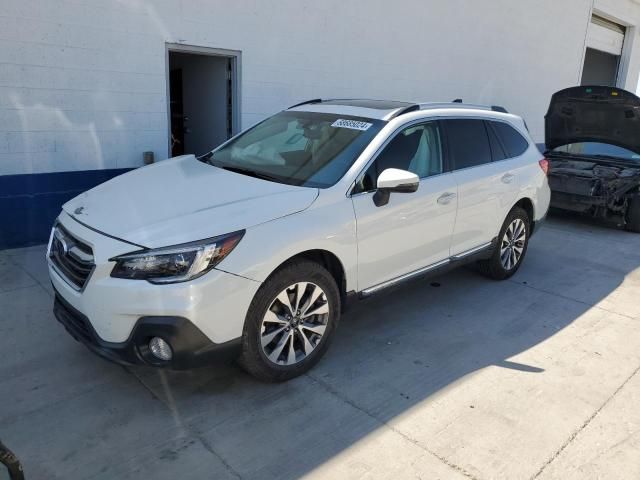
(83, 82)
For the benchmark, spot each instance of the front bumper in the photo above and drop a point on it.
(191, 348)
(115, 317)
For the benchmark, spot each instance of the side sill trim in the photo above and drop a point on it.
(416, 273)
(407, 276)
(473, 251)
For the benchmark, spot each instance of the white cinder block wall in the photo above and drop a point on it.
(83, 82)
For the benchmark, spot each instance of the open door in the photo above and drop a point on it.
(605, 41)
(177, 112)
(202, 110)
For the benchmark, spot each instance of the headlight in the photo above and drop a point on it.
(179, 263)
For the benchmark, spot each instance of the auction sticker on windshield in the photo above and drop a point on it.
(352, 124)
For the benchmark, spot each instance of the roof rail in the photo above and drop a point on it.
(456, 105)
(315, 100)
(433, 105)
(495, 108)
(402, 111)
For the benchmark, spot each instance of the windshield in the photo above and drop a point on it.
(298, 148)
(598, 149)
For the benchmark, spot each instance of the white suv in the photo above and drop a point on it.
(254, 249)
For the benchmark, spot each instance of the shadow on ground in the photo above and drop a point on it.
(397, 390)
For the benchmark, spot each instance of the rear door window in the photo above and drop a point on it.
(468, 143)
(514, 143)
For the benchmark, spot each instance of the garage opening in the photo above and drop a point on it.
(202, 99)
(605, 40)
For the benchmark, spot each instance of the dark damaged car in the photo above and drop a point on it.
(593, 145)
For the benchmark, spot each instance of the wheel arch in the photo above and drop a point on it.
(527, 205)
(326, 259)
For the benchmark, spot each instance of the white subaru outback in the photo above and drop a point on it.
(254, 249)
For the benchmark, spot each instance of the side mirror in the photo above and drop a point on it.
(394, 180)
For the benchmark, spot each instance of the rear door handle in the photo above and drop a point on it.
(508, 177)
(446, 198)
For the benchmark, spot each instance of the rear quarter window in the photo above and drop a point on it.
(512, 141)
(497, 149)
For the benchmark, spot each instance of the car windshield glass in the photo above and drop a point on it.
(598, 150)
(298, 148)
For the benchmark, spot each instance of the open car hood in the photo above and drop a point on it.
(593, 114)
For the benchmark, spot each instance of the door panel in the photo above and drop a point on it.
(412, 231)
(489, 189)
(479, 205)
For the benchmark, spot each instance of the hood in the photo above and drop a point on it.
(593, 114)
(182, 200)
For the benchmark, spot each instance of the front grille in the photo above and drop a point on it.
(71, 257)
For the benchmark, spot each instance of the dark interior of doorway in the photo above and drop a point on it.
(600, 68)
(200, 101)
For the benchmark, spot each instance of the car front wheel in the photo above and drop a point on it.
(290, 322)
(510, 248)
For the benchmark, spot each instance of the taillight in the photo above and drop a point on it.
(544, 165)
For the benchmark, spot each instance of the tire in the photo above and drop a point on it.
(508, 254)
(633, 215)
(274, 327)
(11, 462)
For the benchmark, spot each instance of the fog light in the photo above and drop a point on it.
(160, 349)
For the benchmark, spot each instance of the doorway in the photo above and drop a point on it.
(600, 68)
(602, 60)
(203, 98)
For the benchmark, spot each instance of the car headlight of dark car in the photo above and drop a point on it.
(179, 263)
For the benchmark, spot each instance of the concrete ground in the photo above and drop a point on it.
(535, 377)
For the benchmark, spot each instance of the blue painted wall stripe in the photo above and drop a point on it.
(30, 203)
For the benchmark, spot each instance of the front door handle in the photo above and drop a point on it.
(446, 198)
(508, 177)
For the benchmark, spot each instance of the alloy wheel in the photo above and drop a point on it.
(294, 324)
(513, 243)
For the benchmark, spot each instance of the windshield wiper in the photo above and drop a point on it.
(251, 173)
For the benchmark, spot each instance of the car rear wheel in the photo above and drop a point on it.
(290, 322)
(633, 215)
(510, 248)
